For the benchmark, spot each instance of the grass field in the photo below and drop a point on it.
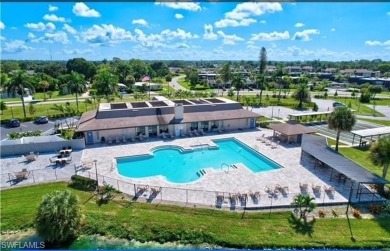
(157, 222)
(187, 85)
(378, 122)
(361, 156)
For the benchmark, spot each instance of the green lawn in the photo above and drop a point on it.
(40, 95)
(360, 108)
(361, 156)
(378, 122)
(332, 142)
(187, 85)
(157, 222)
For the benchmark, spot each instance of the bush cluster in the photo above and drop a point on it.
(82, 183)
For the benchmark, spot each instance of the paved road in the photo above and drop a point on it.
(175, 84)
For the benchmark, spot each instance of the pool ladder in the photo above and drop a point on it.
(224, 165)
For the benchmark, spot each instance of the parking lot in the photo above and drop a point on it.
(47, 129)
(345, 137)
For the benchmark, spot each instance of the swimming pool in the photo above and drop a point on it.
(180, 166)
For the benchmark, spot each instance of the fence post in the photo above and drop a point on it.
(117, 183)
(135, 190)
(9, 179)
(55, 172)
(32, 172)
(186, 196)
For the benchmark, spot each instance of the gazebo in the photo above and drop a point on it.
(290, 132)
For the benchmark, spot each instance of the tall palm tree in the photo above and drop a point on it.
(226, 73)
(44, 85)
(59, 217)
(341, 119)
(380, 153)
(77, 85)
(302, 94)
(20, 81)
(238, 82)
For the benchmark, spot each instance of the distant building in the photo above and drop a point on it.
(152, 86)
(293, 70)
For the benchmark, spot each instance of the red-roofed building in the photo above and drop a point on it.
(145, 78)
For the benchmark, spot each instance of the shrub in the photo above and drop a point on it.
(386, 208)
(356, 213)
(374, 208)
(264, 124)
(82, 183)
(321, 214)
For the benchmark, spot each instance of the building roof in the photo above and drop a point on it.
(291, 129)
(372, 131)
(318, 148)
(309, 113)
(161, 113)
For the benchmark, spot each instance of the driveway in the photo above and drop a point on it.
(175, 84)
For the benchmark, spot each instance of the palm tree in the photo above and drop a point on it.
(302, 94)
(44, 85)
(59, 217)
(305, 204)
(380, 153)
(238, 83)
(76, 84)
(226, 73)
(20, 81)
(341, 119)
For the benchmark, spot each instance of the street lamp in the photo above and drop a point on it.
(97, 181)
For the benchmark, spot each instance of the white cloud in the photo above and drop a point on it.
(54, 18)
(15, 46)
(240, 15)
(182, 46)
(229, 39)
(2, 38)
(149, 41)
(179, 33)
(377, 43)
(140, 22)
(333, 30)
(388, 13)
(41, 26)
(77, 51)
(305, 34)
(263, 22)
(52, 8)
(106, 34)
(298, 25)
(179, 16)
(234, 23)
(272, 36)
(82, 10)
(59, 37)
(31, 36)
(2, 26)
(181, 5)
(208, 33)
(69, 29)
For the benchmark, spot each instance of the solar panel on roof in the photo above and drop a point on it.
(180, 101)
(215, 101)
(158, 103)
(118, 106)
(139, 104)
(198, 101)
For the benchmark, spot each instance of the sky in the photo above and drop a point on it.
(195, 30)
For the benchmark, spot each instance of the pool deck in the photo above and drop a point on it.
(225, 183)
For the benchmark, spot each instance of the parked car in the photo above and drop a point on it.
(42, 120)
(338, 104)
(13, 123)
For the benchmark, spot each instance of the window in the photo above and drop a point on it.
(204, 125)
(194, 126)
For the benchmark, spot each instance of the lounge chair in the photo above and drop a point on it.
(329, 190)
(109, 141)
(303, 187)
(124, 139)
(141, 137)
(233, 198)
(220, 198)
(163, 135)
(31, 157)
(155, 191)
(132, 139)
(172, 135)
(316, 189)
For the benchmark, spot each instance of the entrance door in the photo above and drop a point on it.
(90, 138)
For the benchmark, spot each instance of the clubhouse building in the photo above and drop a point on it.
(116, 122)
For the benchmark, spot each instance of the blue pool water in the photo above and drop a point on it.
(183, 166)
